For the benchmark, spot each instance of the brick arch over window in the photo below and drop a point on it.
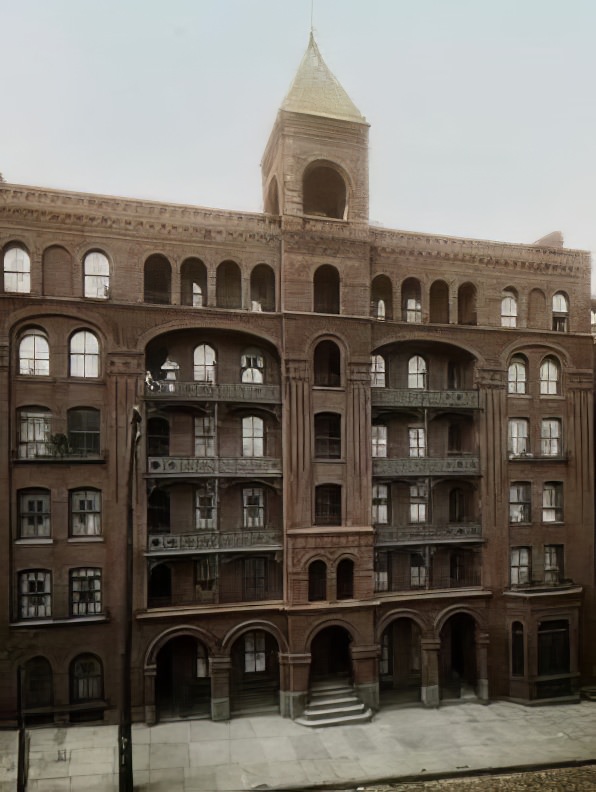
(157, 643)
(443, 617)
(324, 191)
(236, 632)
(327, 364)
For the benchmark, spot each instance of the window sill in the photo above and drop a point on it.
(50, 622)
(34, 541)
(85, 539)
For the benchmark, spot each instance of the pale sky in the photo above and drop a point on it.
(482, 112)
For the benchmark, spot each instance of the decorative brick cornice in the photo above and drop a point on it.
(131, 217)
(501, 255)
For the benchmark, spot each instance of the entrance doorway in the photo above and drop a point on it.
(182, 683)
(400, 662)
(458, 674)
(330, 654)
(255, 673)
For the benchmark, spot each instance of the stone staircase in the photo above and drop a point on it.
(332, 702)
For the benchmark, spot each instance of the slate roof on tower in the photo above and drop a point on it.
(315, 90)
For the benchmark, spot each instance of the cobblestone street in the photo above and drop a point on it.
(575, 779)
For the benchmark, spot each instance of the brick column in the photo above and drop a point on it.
(365, 667)
(430, 690)
(294, 671)
(482, 641)
(150, 709)
(220, 688)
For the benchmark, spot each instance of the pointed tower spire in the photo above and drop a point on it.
(315, 90)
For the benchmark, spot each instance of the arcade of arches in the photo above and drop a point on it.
(187, 678)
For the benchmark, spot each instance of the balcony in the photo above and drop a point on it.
(211, 541)
(405, 397)
(468, 465)
(245, 467)
(432, 583)
(161, 390)
(394, 535)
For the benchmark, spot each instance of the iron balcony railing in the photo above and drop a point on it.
(431, 583)
(211, 541)
(247, 467)
(411, 534)
(406, 397)
(468, 465)
(206, 391)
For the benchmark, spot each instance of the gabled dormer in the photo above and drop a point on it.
(316, 161)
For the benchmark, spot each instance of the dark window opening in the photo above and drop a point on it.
(83, 431)
(317, 581)
(159, 591)
(324, 193)
(382, 298)
(328, 504)
(262, 288)
(411, 305)
(158, 437)
(326, 290)
(553, 647)
(228, 285)
(158, 511)
(517, 649)
(439, 303)
(157, 280)
(193, 283)
(327, 436)
(466, 304)
(345, 579)
(327, 365)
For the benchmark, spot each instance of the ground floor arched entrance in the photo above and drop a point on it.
(458, 675)
(254, 683)
(330, 654)
(400, 663)
(182, 683)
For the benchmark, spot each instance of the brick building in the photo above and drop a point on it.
(339, 451)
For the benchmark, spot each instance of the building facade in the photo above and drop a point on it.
(327, 449)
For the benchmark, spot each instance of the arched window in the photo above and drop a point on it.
(38, 689)
(158, 437)
(83, 431)
(417, 373)
(517, 375)
(84, 354)
(193, 283)
(411, 306)
(439, 303)
(324, 192)
(345, 579)
(159, 589)
(550, 377)
(252, 365)
(34, 514)
(262, 288)
(228, 285)
(253, 436)
(86, 679)
(457, 504)
(328, 504)
(327, 366)
(509, 309)
(560, 312)
(317, 581)
(85, 591)
(35, 594)
(204, 364)
(377, 371)
(85, 512)
(96, 276)
(382, 297)
(158, 511)
(34, 354)
(34, 432)
(517, 649)
(17, 270)
(327, 436)
(157, 280)
(466, 304)
(326, 290)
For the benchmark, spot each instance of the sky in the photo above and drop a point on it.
(482, 112)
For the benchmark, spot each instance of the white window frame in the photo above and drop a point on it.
(552, 502)
(380, 504)
(85, 512)
(35, 514)
(17, 270)
(518, 437)
(204, 364)
(520, 565)
(520, 502)
(35, 428)
(253, 508)
(255, 657)
(96, 276)
(509, 309)
(34, 354)
(418, 506)
(253, 436)
(379, 441)
(551, 430)
(550, 377)
(35, 594)
(84, 354)
(417, 373)
(377, 371)
(517, 376)
(85, 591)
(417, 441)
(205, 508)
(204, 436)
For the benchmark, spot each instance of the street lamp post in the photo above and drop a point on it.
(125, 772)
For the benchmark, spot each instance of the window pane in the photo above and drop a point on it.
(97, 276)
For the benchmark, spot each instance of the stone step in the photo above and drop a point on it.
(328, 701)
(354, 708)
(363, 717)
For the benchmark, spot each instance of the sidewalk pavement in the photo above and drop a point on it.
(268, 752)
